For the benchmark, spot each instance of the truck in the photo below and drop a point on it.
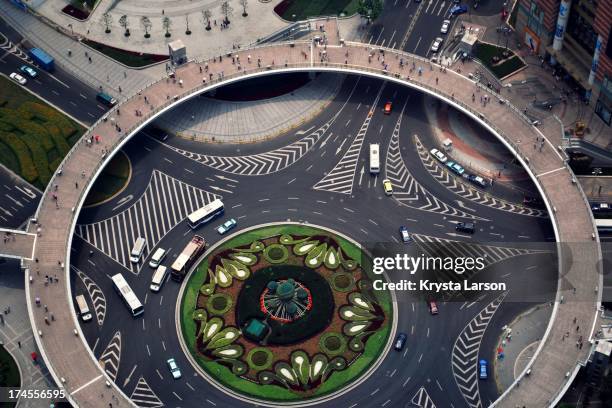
(43, 59)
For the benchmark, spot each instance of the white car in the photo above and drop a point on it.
(445, 26)
(18, 78)
(438, 155)
(435, 47)
(176, 372)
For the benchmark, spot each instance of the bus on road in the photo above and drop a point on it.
(205, 214)
(190, 254)
(159, 277)
(374, 158)
(127, 294)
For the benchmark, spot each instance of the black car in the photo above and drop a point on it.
(467, 227)
(400, 341)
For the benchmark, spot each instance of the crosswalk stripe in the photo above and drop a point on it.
(115, 236)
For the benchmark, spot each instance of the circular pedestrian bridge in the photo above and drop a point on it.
(554, 364)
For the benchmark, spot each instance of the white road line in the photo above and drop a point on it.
(158, 373)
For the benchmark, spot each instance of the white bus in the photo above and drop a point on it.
(127, 294)
(83, 308)
(157, 257)
(189, 255)
(159, 277)
(137, 250)
(374, 158)
(206, 213)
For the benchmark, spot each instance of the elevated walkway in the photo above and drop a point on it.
(17, 244)
(555, 362)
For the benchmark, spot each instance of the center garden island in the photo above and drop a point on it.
(284, 313)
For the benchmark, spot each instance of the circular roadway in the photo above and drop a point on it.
(310, 186)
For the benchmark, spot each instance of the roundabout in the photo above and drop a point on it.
(315, 189)
(288, 307)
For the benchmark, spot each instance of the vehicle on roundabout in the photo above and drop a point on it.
(28, 71)
(467, 227)
(433, 307)
(388, 187)
(455, 167)
(406, 238)
(400, 341)
(458, 9)
(226, 226)
(387, 108)
(174, 370)
(18, 78)
(483, 369)
(441, 157)
(479, 181)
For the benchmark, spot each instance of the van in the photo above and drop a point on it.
(157, 257)
(159, 277)
(83, 308)
(137, 250)
(106, 99)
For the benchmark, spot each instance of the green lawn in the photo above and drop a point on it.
(34, 137)
(9, 374)
(485, 53)
(303, 9)
(112, 180)
(129, 58)
(374, 343)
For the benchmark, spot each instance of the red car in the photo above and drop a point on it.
(387, 108)
(433, 307)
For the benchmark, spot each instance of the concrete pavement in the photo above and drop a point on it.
(209, 120)
(16, 334)
(527, 331)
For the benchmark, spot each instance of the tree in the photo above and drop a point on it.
(207, 14)
(166, 23)
(369, 9)
(187, 30)
(123, 22)
(108, 20)
(243, 3)
(146, 24)
(227, 11)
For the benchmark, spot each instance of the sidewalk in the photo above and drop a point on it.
(101, 72)
(208, 120)
(201, 44)
(540, 85)
(17, 330)
(527, 331)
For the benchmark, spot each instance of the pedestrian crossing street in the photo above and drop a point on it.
(467, 191)
(144, 397)
(422, 399)
(111, 356)
(342, 177)
(164, 204)
(465, 354)
(95, 295)
(407, 190)
(263, 163)
(440, 247)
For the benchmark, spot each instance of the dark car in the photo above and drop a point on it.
(467, 227)
(458, 9)
(400, 341)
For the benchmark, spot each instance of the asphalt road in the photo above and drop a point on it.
(326, 183)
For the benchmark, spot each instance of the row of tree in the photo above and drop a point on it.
(146, 23)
